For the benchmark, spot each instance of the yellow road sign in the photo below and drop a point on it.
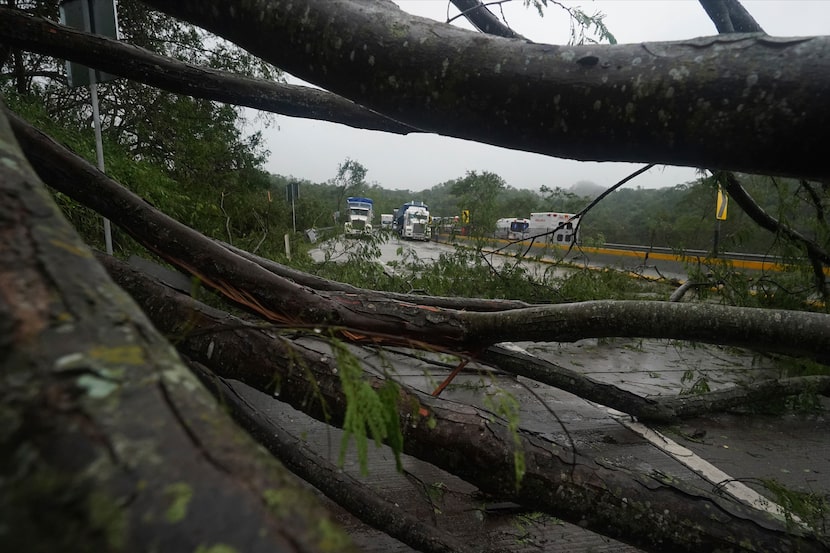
(723, 201)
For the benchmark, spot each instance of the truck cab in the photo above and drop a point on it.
(359, 215)
(416, 223)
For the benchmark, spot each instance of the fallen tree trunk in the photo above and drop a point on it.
(664, 409)
(653, 511)
(108, 442)
(378, 319)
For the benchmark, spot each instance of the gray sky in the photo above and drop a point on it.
(313, 149)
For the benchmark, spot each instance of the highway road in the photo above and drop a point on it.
(538, 261)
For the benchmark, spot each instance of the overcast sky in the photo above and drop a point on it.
(313, 150)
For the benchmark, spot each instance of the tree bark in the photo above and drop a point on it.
(378, 319)
(656, 512)
(108, 442)
(118, 58)
(748, 103)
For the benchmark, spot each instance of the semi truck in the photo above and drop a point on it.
(359, 215)
(412, 221)
(386, 220)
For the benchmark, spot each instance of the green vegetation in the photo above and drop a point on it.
(200, 170)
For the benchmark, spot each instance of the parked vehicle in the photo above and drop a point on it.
(359, 215)
(386, 220)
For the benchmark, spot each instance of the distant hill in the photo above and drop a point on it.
(586, 189)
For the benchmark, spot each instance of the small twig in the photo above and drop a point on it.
(227, 217)
(437, 391)
(263, 223)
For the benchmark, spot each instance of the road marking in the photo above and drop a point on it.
(704, 468)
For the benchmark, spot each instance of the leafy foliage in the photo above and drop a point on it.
(370, 412)
(585, 29)
(200, 169)
(478, 193)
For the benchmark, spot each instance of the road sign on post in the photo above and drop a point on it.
(96, 17)
(91, 16)
(720, 215)
(723, 201)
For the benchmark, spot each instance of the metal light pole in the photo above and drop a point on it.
(99, 152)
(292, 191)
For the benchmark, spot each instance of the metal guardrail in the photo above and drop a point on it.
(759, 257)
(751, 261)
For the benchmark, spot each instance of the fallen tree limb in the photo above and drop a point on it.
(509, 358)
(653, 511)
(40, 35)
(744, 396)
(391, 322)
(663, 409)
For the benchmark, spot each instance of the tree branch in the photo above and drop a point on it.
(729, 16)
(351, 494)
(766, 221)
(117, 58)
(483, 19)
(109, 442)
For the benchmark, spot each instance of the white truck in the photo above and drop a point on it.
(359, 215)
(386, 220)
(563, 227)
(413, 221)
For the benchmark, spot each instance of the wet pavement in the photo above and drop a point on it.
(539, 260)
